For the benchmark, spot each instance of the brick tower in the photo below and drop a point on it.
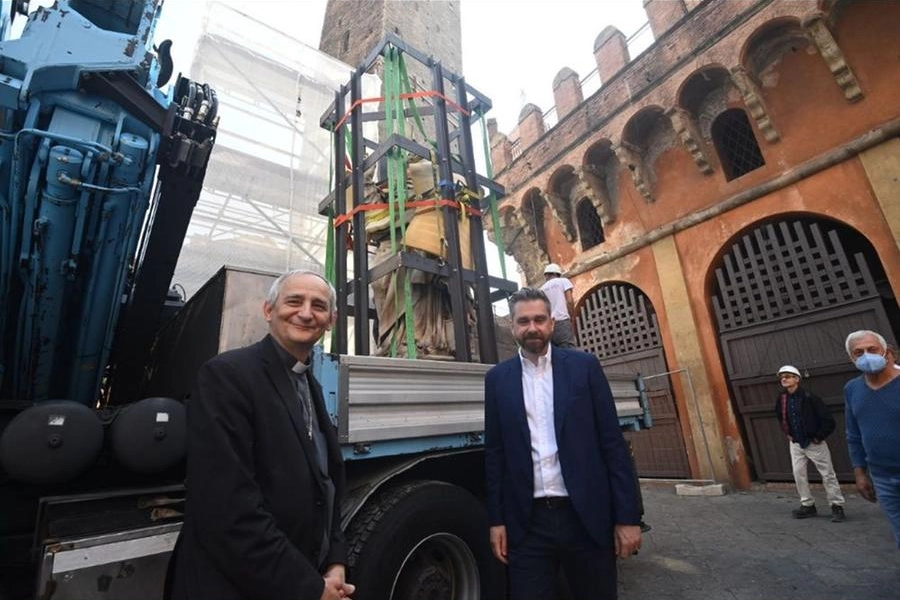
(351, 28)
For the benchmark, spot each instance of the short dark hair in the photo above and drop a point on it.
(526, 294)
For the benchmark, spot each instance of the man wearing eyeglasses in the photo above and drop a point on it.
(806, 423)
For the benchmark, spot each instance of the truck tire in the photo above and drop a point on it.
(423, 539)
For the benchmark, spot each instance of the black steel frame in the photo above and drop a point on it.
(458, 277)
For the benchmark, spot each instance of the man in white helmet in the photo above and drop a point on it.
(562, 306)
(806, 422)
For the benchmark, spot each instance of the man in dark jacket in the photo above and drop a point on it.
(806, 422)
(264, 471)
(560, 481)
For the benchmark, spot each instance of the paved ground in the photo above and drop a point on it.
(745, 545)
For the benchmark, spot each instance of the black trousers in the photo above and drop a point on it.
(556, 538)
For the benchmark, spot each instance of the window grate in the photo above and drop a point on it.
(736, 144)
(786, 269)
(615, 319)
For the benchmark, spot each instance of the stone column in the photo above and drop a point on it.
(882, 163)
(705, 429)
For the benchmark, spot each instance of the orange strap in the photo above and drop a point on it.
(341, 219)
(424, 94)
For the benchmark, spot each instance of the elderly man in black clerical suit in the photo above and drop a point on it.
(264, 473)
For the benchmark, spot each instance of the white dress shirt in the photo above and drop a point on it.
(537, 387)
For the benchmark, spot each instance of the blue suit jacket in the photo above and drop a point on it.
(593, 455)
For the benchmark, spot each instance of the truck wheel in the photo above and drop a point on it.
(423, 539)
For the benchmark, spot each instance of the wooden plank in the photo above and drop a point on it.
(794, 279)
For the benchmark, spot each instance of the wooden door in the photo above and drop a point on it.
(617, 323)
(789, 293)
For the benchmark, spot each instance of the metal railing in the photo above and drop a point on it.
(515, 148)
(637, 43)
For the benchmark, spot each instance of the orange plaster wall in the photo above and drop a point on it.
(867, 33)
(804, 101)
(841, 193)
(560, 249)
(639, 269)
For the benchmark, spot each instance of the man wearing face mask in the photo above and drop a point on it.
(873, 420)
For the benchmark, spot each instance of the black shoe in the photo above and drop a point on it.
(837, 513)
(804, 512)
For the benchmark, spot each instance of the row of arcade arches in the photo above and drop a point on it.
(783, 291)
(726, 114)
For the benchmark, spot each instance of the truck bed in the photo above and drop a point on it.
(382, 406)
(376, 399)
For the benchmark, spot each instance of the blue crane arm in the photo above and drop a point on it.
(99, 173)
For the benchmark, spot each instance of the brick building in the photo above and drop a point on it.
(726, 202)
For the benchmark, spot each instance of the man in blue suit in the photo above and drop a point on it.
(560, 482)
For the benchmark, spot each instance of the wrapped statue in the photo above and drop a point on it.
(425, 234)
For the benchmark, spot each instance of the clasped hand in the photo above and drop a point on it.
(336, 587)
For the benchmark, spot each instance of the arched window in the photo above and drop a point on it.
(590, 227)
(736, 144)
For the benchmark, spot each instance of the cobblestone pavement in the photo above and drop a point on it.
(746, 546)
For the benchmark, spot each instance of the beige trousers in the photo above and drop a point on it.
(821, 458)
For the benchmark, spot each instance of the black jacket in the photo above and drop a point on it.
(255, 512)
(815, 418)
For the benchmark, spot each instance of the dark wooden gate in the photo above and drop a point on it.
(789, 293)
(617, 323)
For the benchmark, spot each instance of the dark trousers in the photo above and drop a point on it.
(557, 538)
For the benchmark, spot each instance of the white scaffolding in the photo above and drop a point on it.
(271, 164)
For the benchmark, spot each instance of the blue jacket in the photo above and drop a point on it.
(594, 458)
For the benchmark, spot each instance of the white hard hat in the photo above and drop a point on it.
(791, 370)
(552, 268)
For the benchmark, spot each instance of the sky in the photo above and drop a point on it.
(511, 50)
